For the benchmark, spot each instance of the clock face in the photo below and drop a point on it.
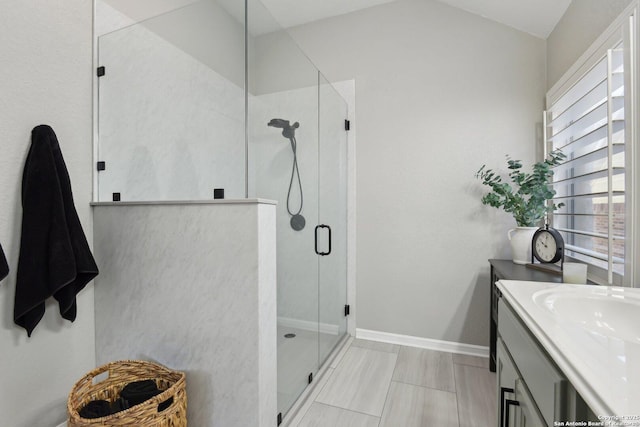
(547, 245)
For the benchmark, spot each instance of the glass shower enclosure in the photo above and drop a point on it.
(195, 97)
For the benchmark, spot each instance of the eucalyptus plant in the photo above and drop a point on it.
(526, 198)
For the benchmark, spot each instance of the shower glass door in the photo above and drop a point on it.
(332, 188)
(298, 156)
(283, 165)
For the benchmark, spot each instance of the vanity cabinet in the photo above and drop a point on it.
(528, 414)
(532, 390)
(505, 269)
(506, 376)
(517, 407)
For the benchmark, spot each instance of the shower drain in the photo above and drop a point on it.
(289, 335)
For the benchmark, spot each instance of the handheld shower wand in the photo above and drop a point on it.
(288, 131)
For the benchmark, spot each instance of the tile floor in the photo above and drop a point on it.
(374, 384)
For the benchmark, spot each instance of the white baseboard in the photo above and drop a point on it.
(430, 344)
(308, 325)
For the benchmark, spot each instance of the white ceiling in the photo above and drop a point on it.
(536, 17)
(290, 13)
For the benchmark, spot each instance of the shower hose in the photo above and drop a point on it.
(294, 172)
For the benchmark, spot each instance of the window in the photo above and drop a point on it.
(589, 118)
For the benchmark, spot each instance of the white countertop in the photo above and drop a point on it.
(604, 369)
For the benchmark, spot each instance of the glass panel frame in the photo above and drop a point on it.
(170, 109)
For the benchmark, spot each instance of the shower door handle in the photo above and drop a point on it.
(329, 228)
(316, 239)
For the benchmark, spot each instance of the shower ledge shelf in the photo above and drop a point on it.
(189, 202)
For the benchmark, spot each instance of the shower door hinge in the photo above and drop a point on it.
(310, 378)
(347, 309)
(279, 418)
(101, 71)
(101, 166)
(347, 125)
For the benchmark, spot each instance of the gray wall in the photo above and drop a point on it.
(45, 78)
(439, 92)
(580, 26)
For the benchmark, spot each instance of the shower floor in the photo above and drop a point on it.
(297, 358)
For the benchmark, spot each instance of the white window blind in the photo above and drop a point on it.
(587, 122)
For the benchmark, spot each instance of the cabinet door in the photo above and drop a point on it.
(545, 382)
(507, 375)
(528, 414)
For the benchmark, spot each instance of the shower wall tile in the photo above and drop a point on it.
(193, 286)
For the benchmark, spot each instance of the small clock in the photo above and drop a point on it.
(547, 246)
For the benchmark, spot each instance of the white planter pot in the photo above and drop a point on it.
(520, 238)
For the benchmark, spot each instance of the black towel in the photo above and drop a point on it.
(140, 391)
(4, 267)
(55, 258)
(96, 409)
(102, 408)
(119, 404)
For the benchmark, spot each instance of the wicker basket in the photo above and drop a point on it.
(143, 415)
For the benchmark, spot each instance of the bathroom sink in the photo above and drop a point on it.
(591, 332)
(607, 311)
